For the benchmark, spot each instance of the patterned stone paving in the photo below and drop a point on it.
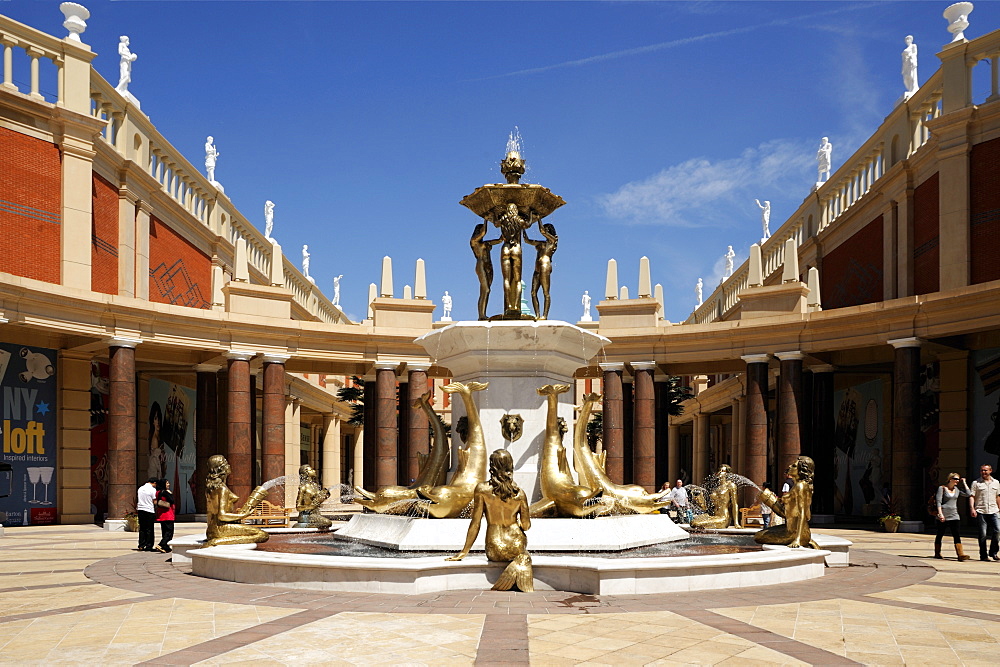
(79, 595)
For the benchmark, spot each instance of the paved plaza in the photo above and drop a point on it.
(80, 595)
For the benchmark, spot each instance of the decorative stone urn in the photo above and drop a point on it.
(958, 20)
(76, 19)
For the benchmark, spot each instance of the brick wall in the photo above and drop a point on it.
(179, 273)
(30, 196)
(852, 272)
(984, 213)
(926, 223)
(104, 237)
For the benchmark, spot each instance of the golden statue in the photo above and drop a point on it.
(433, 467)
(622, 498)
(543, 266)
(794, 506)
(511, 225)
(561, 495)
(224, 525)
(482, 248)
(448, 501)
(311, 496)
(507, 518)
(723, 502)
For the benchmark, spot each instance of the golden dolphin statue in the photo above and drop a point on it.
(433, 467)
(627, 498)
(448, 501)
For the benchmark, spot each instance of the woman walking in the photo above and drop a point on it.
(164, 514)
(947, 516)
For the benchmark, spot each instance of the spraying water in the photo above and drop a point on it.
(271, 483)
(514, 142)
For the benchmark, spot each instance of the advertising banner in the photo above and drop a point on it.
(862, 484)
(28, 390)
(171, 452)
(100, 390)
(984, 386)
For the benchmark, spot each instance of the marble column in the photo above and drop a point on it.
(756, 419)
(385, 421)
(628, 436)
(206, 440)
(907, 471)
(368, 475)
(790, 410)
(122, 478)
(612, 422)
(402, 431)
(822, 438)
(238, 408)
(699, 463)
(417, 424)
(673, 453)
(222, 414)
(644, 426)
(273, 422)
(662, 422)
(331, 473)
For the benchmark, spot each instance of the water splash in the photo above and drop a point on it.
(271, 483)
(514, 142)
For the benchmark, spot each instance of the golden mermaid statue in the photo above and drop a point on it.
(224, 525)
(310, 496)
(622, 498)
(449, 500)
(506, 510)
(561, 495)
(794, 506)
(433, 467)
(723, 503)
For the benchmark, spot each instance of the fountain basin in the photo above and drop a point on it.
(587, 575)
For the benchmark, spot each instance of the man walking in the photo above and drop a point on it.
(983, 503)
(147, 513)
(679, 499)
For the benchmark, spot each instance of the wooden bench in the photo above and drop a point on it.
(267, 514)
(750, 516)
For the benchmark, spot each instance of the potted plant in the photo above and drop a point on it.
(890, 518)
(131, 521)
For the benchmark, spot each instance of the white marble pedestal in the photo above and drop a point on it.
(516, 358)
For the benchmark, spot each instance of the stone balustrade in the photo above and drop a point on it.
(37, 46)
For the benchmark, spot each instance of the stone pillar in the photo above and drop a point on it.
(385, 421)
(330, 475)
(222, 414)
(122, 481)
(417, 424)
(238, 450)
(790, 415)
(907, 473)
(293, 448)
(673, 453)
(644, 426)
(612, 422)
(273, 421)
(628, 441)
(72, 493)
(822, 438)
(699, 463)
(662, 422)
(368, 479)
(403, 431)
(206, 437)
(756, 419)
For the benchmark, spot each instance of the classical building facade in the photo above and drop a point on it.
(145, 324)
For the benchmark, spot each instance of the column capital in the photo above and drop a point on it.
(612, 366)
(643, 365)
(422, 366)
(207, 368)
(386, 366)
(790, 356)
(756, 358)
(897, 343)
(119, 341)
(240, 355)
(823, 368)
(275, 358)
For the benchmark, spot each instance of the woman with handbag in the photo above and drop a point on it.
(947, 513)
(164, 514)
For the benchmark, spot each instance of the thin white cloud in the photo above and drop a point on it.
(700, 192)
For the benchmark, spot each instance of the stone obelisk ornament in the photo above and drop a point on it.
(433, 467)
(224, 525)
(622, 498)
(794, 506)
(449, 500)
(561, 495)
(506, 509)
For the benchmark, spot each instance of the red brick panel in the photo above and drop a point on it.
(179, 273)
(30, 196)
(984, 213)
(926, 225)
(104, 237)
(852, 272)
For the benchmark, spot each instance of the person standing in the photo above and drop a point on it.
(947, 516)
(165, 513)
(765, 510)
(144, 507)
(983, 504)
(679, 499)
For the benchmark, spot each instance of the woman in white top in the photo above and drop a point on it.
(947, 513)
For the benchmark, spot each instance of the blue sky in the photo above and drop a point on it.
(657, 122)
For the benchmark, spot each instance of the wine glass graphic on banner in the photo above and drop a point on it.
(34, 475)
(46, 476)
